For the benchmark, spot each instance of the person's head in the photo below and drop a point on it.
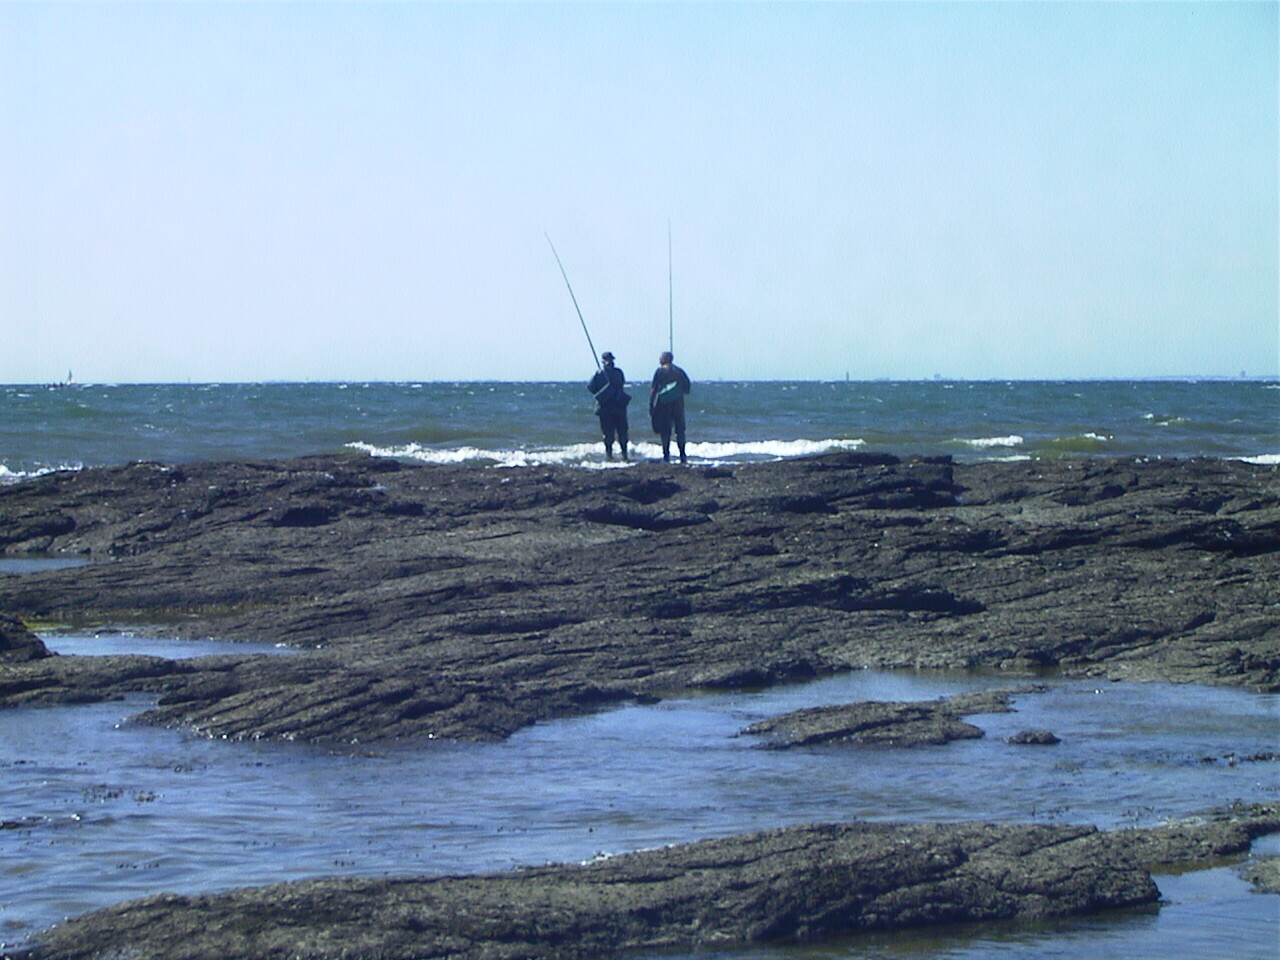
(665, 357)
(607, 357)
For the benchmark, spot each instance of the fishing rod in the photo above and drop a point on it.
(594, 355)
(671, 312)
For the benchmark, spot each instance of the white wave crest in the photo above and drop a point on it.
(592, 454)
(1265, 459)
(16, 476)
(982, 443)
(768, 449)
(502, 458)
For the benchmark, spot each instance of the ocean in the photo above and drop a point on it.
(45, 427)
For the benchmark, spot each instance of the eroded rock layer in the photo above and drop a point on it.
(793, 885)
(466, 603)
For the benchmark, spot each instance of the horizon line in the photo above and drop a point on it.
(1174, 378)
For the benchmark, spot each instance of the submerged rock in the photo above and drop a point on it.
(1034, 738)
(1264, 874)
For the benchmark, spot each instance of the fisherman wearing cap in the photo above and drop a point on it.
(611, 404)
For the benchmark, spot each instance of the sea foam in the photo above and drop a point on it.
(591, 454)
(983, 443)
(15, 476)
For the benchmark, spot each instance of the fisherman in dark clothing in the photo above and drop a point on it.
(611, 404)
(666, 404)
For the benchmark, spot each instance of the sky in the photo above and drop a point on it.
(366, 191)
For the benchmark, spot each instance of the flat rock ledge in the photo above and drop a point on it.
(792, 885)
(883, 723)
(464, 603)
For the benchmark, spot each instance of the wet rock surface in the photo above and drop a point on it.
(17, 643)
(793, 885)
(466, 603)
(1034, 738)
(879, 723)
(1264, 874)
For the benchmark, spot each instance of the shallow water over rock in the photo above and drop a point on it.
(34, 563)
(97, 811)
(101, 644)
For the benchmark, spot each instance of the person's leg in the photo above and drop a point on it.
(607, 428)
(662, 423)
(622, 434)
(677, 416)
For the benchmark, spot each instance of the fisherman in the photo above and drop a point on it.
(611, 404)
(666, 404)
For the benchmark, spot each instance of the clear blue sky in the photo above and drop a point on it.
(361, 191)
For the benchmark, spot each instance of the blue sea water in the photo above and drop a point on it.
(47, 428)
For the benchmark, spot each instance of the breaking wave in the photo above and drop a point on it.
(984, 443)
(14, 476)
(592, 454)
(1080, 443)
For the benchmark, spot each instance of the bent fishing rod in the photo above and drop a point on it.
(594, 355)
(671, 308)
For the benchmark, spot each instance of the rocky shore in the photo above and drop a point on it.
(466, 603)
(463, 603)
(784, 886)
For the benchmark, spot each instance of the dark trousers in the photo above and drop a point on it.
(669, 418)
(613, 423)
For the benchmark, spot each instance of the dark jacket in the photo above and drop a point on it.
(670, 384)
(607, 387)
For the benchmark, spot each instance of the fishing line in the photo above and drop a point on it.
(594, 355)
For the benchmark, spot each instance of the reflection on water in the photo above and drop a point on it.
(98, 812)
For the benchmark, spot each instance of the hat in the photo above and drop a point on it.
(606, 355)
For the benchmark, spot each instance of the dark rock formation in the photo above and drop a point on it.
(1034, 738)
(17, 643)
(793, 885)
(1264, 874)
(466, 603)
(899, 724)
